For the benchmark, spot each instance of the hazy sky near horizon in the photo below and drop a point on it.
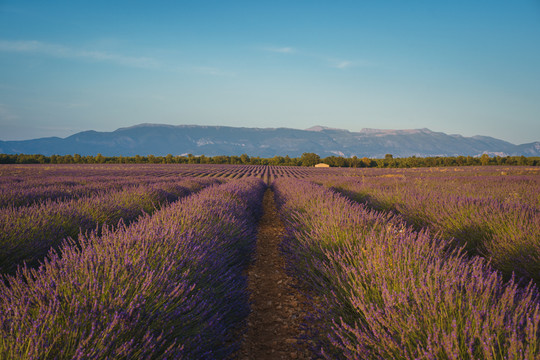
(467, 67)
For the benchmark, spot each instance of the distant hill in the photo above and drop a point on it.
(156, 139)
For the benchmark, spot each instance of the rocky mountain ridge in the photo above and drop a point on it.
(159, 139)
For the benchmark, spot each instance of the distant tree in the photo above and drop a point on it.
(169, 159)
(510, 160)
(366, 162)
(244, 158)
(484, 159)
(100, 159)
(449, 161)
(307, 159)
(277, 160)
(191, 159)
(336, 161)
(6, 159)
(287, 161)
(310, 159)
(354, 162)
(152, 159)
(255, 160)
(412, 161)
(68, 159)
(220, 159)
(203, 159)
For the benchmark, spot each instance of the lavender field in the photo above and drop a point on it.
(149, 261)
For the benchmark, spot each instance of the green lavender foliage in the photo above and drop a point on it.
(169, 286)
(503, 229)
(28, 233)
(385, 291)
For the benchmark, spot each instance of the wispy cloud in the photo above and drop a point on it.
(207, 70)
(281, 50)
(329, 61)
(61, 51)
(343, 64)
(63, 104)
(346, 64)
(66, 52)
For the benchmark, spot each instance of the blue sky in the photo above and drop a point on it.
(466, 67)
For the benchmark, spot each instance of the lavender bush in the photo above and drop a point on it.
(30, 191)
(170, 286)
(27, 233)
(385, 291)
(504, 230)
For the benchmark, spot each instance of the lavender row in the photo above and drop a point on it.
(87, 170)
(32, 190)
(170, 286)
(384, 291)
(505, 232)
(27, 233)
(499, 183)
(10, 174)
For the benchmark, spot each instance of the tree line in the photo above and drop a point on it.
(307, 159)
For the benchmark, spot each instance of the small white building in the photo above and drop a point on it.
(322, 165)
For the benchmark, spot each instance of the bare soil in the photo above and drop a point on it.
(278, 308)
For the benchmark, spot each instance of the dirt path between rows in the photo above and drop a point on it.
(277, 307)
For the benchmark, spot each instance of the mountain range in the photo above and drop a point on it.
(158, 139)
